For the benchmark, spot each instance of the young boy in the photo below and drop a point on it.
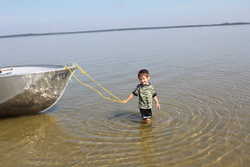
(147, 95)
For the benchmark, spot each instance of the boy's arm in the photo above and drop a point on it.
(157, 103)
(128, 99)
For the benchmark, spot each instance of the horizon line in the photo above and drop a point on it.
(123, 29)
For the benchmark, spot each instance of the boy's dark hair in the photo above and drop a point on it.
(143, 72)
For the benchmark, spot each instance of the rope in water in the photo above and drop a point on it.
(112, 97)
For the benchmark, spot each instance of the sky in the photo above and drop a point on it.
(37, 16)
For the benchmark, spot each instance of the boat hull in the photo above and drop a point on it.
(32, 93)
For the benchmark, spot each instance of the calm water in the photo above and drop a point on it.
(203, 79)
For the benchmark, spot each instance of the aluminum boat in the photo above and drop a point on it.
(32, 89)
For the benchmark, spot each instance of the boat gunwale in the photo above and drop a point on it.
(51, 68)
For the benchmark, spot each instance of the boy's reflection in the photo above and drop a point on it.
(146, 142)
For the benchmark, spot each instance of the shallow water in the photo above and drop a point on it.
(203, 80)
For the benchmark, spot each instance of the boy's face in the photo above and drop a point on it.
(144, 79)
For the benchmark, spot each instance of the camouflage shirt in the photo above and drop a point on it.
(146, 94)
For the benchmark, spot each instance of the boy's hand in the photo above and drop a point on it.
(157, 103)
(128, 99)
(158, 106)
(124, 101)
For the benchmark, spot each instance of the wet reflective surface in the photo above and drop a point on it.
(203, 83)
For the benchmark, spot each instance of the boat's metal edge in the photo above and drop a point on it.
(72, 71)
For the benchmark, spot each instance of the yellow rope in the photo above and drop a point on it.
(113, 98)
(98, 84)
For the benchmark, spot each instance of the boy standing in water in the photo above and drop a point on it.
(146, 93)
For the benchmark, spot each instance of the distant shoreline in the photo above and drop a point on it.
(123, 29)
